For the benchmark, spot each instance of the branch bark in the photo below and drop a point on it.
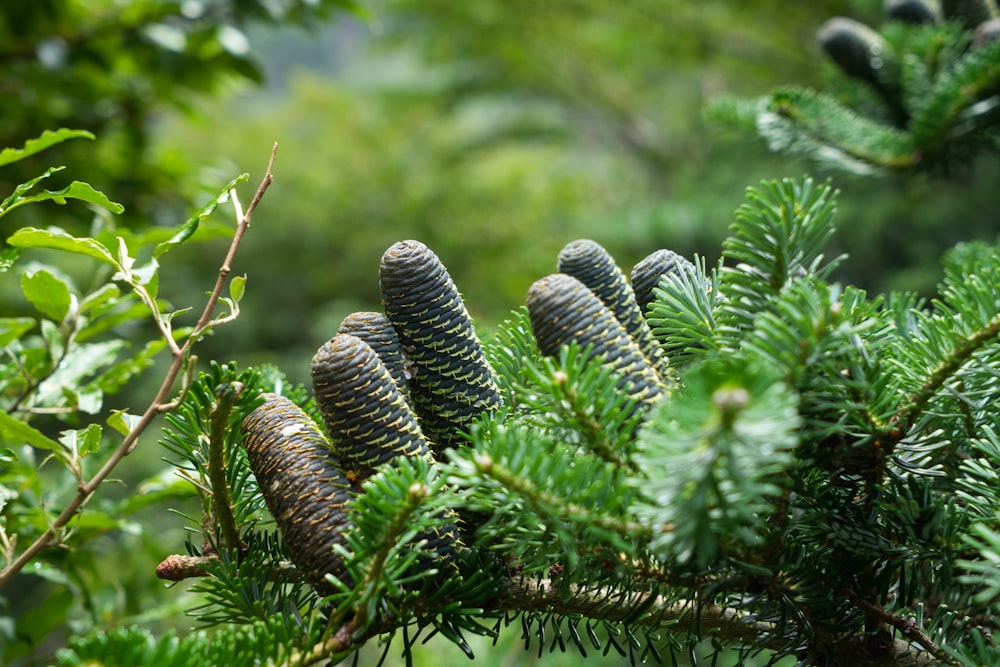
(158, 405)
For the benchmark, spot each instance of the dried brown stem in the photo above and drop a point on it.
(910, 630)
(180, 356)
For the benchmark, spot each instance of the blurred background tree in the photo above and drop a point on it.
(493, 131)
(473, 126)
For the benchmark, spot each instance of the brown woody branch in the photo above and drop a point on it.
(159, 403)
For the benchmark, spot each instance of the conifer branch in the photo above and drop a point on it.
(962, 351)
(219, 423)
(910, 630)
(548, 504)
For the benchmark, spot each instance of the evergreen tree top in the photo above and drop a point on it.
(813, 476)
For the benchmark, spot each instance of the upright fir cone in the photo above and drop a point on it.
(862, 53)
(970, 13)
(451, 382)
(376, 330)
(857, 49)
(304, 490)
(647, 273)
(367, 417)
(592, 265)
(564, 310)
(911, 11)
(369, 420)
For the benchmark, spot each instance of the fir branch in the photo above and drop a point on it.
(339, 645)
(816, 125)
(950, 110)
(580, 397)
(777, 237)
(552, 505)
(953, 360)
(909, 629)
(219, 424)
(684, 311)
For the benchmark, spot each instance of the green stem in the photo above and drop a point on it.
(219, 423)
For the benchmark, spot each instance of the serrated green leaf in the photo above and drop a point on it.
(76, 190)
(78, 366)
(187, 230)
(12, 328)
(82, 440)
(57, 239)
(48, 294)
(101, 296)
(17, 198)
(45, 140)
(112, 379)
(237, 287)
(13, 430)
(122, 421)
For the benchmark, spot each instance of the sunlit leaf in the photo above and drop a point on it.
(12, 328)
(46, 139)
(187, 230)
(237, 287)
(57, 239)
(122, 421)
(17, 197)
(81, 363)
(101, 296)
(76, 190)
(82, 440)
(14, 430)
(48, 294)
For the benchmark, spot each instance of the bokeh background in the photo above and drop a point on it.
(494, 131)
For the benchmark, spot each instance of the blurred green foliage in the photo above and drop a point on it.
(475, 126)
(112, 67)
(493, 131)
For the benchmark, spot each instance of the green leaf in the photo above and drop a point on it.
(112, 379)
(103, 295)
(13, 429)
(57, 239)
(122, 421)
(82, 440)
(80, 363)
(187, 230)
(48, 294)
(77, 190)
(45, 140)
(7, 258)
(17, 197)
(237, 287)
(35, 624)
(12, 328)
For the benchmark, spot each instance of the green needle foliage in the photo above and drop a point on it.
(919, 93)
(820, 481)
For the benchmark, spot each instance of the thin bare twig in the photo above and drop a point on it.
(910, 630)
(86, 490)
